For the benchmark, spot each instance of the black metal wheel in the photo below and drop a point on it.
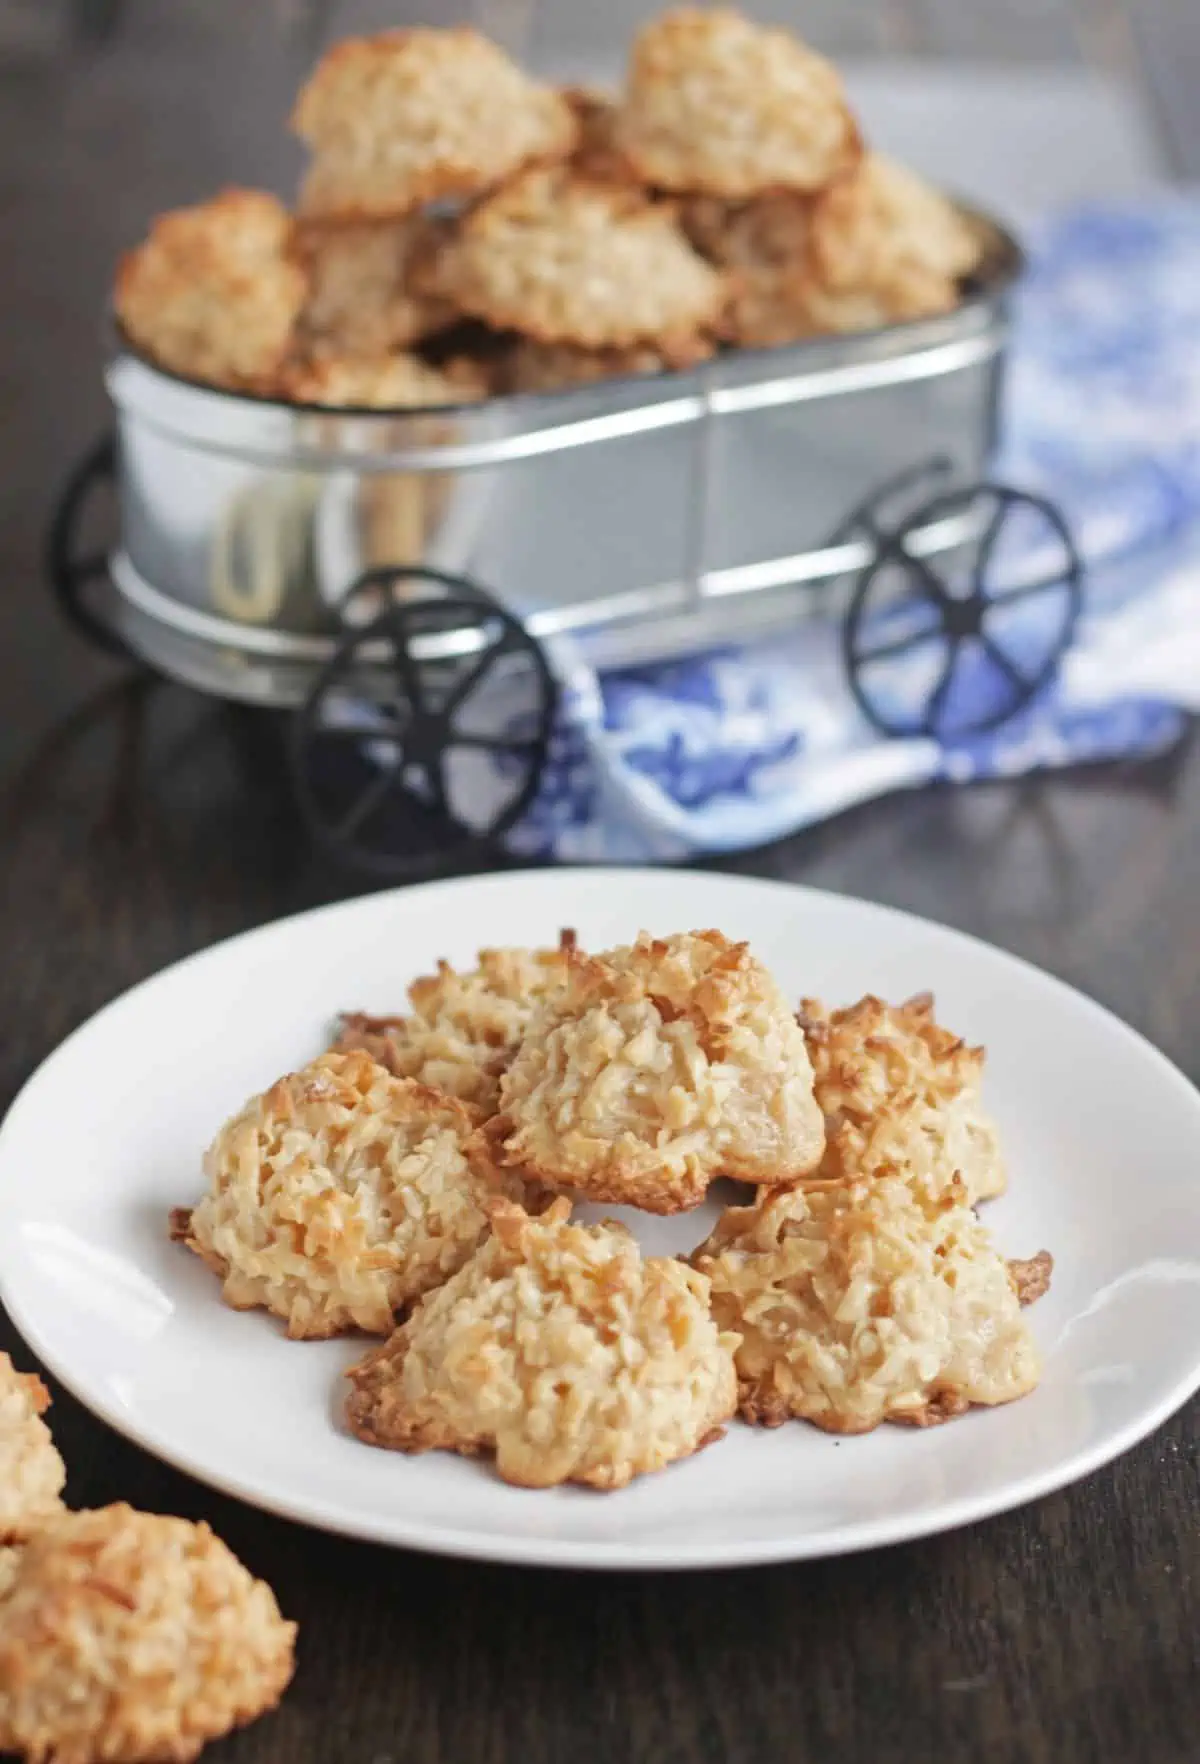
(73, 571)
(992, 636)
(396, 751)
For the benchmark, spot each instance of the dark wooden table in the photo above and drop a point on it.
(139, 822)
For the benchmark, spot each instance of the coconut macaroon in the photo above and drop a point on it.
(410, 116)
(339, 1196)
(884, 248)
(881, 224)
(566, 259)
(863, 1302)
(909, 295)
(387, 382)
(465, 1025)
(596, 153)
(779, 291)
(31, 1472)
(765, 244)
(360, 295)
(901, 1094)
(562, 1350)
(213, 293)
(659, 1068)
(130, 1636)
(10, 1561)
(548, 367)
(717, 105)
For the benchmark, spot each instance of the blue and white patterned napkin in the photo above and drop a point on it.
(736, 747)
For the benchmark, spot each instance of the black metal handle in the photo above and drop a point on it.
(71, 573)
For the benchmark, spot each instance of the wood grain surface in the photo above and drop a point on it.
(139, 822)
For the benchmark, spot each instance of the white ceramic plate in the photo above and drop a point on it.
(1101, 1133)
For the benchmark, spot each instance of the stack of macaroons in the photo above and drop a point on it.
(417, 1182)
(464, 229)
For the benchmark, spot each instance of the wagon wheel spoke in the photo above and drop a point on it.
(493, 744)
(941, 687)
(368, 801)
(434, 774)
(460, 692)
(353, 734)
(897, 646)
(387, 728)
(941, 691)
(988, 538)
(935, 588)
(406, 665)
(1027, 590)
(1019, 680)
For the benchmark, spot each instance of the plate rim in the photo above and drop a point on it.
(528, 1550)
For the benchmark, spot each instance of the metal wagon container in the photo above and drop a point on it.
(409, 563)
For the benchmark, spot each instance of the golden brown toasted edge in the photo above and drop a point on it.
(662, 1192)
(530, 366)
(420, 46)
(940, 1406)
(362, 277)
(179, 1224)
(760, 1404)
(878, 219)
(596, 153)
(367, 1378)
(212, 292)
(388, 1041)
(426, 986)
(235, 225)
(1031, 1276)
(871, 1017)
(764, 1406)
(10, 1561)
(399, 381)
(364, 1024)
(500, 1176)
(33, 1497)
(374, 1422)
(545, 122)
(667, 128)
(179, 1230)
(29, 1384)
(426, 989)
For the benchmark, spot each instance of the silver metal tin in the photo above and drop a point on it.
(643, 518)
